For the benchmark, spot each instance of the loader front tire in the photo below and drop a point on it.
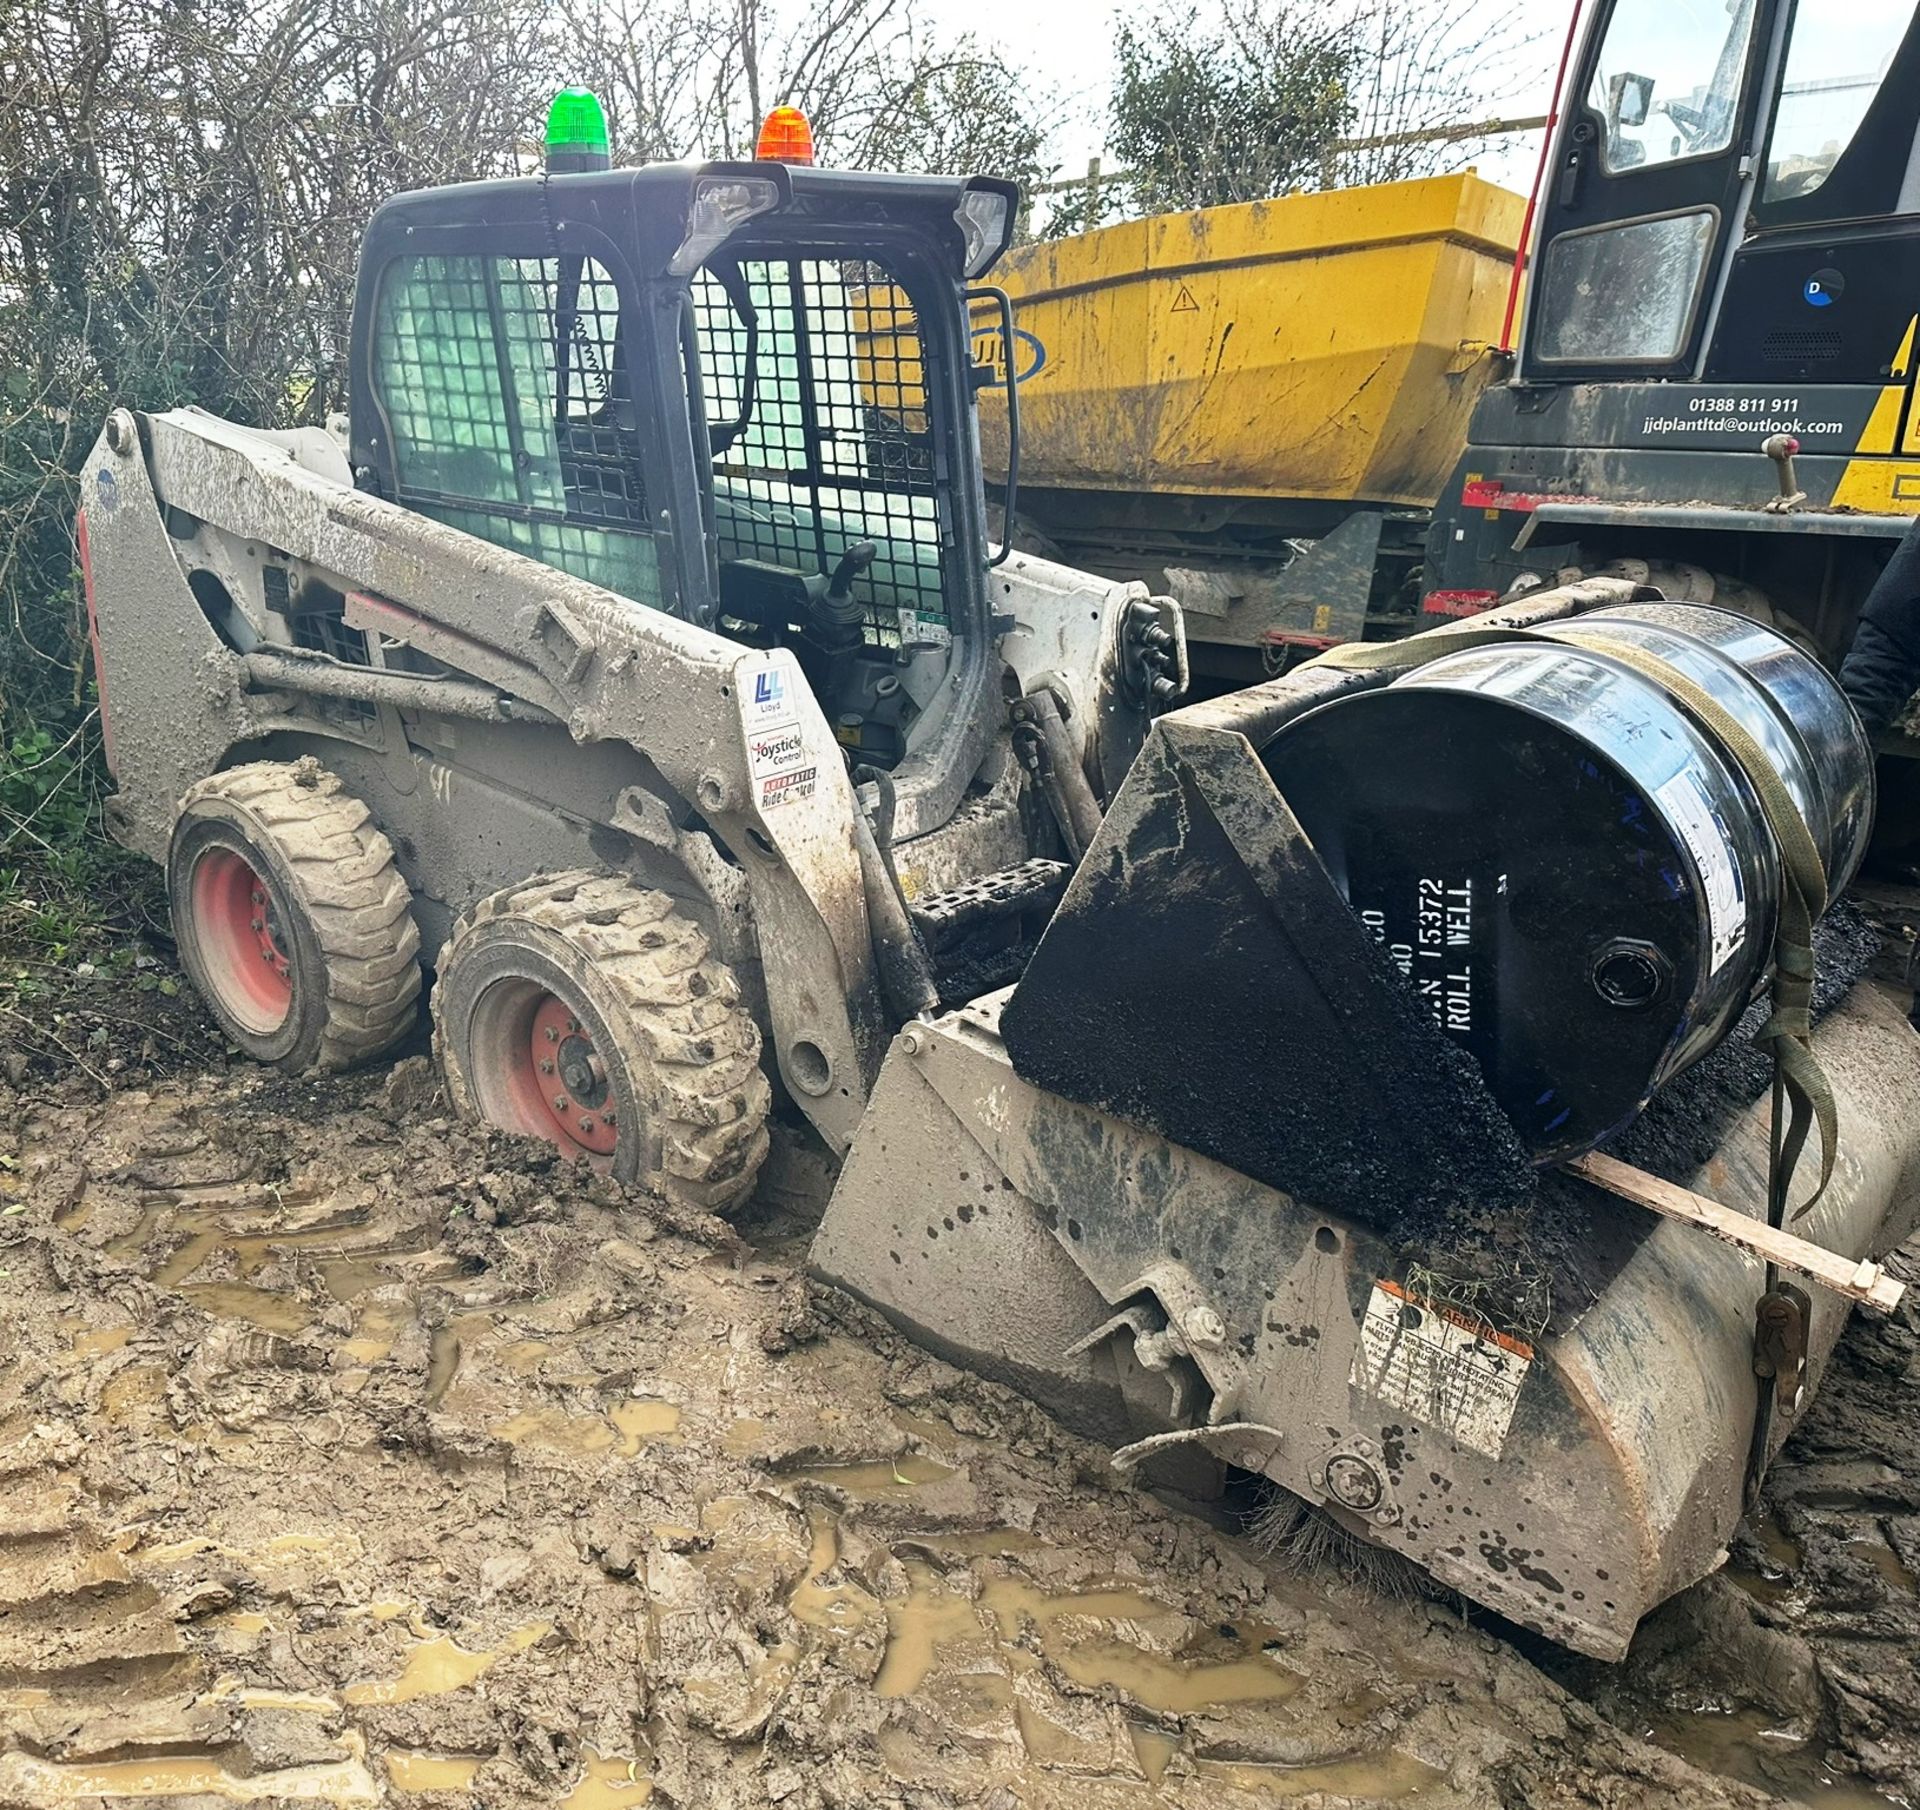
(292, 920)
(585, 1010)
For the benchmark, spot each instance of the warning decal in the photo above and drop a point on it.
(782, 768)
(1440, 1366)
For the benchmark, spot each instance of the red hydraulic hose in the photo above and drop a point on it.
(1539, 177)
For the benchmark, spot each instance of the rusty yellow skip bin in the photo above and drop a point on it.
(1328, 345)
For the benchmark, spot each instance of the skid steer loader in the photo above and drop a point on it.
(641, 668)
(661, 512)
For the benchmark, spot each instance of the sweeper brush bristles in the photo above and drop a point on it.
(1310, 1543)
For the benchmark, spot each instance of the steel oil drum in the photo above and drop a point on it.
(1574, 875)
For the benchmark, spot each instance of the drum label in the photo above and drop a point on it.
(1443, 1367)
(1684, 802)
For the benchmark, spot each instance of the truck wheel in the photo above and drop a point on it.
(581, 1009)
(292, 920)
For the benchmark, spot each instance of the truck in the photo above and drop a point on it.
(1713, 381)
(1253, 408)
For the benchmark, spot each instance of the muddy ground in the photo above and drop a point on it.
(352, 1456)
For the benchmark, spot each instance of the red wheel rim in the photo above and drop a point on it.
(242, 942)
(532, 1048)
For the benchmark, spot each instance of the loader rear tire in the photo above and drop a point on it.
(291, 917)
(585, 1010)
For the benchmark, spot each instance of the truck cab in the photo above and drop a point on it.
(1715, 377)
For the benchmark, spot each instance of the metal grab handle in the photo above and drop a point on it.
(987, 292)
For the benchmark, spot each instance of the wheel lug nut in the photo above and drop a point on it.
(259, 897)
(266, 955)
(559, 1102)
(573, 1024)
(256, 925)
(546, 1067)
(586, 1121)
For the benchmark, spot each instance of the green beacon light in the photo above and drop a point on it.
(576, 133)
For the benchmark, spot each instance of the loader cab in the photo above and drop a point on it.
(741, 394)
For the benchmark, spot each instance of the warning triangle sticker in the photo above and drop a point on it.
(1183, 303)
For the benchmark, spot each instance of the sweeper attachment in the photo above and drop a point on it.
(1262, 1165)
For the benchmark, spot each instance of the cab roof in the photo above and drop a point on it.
(647, 208)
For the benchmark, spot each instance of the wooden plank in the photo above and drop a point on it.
(1862, 1281)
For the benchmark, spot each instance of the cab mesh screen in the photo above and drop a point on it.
(816, 395)
(510, 413)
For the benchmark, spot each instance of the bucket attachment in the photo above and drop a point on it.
(1210, 1182)
(1204, 978)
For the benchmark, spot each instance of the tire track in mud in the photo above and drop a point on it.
(351, 1456)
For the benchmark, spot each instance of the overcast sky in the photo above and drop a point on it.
(1066, 48)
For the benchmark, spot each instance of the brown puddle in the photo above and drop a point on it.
(34, 1782)
(1773, 1579)
(252, 1251)
(1153, 1748)
(374, 1331)
(443, 1360)
(409, 1770)
(823, 1605)
(1172, 1686)
(868, 1478)
(979, 1543)
(1754, 1749)
(1013, 1600)
(1386, 1777)
(439, 1664)
(927, 1619)
(346, 1271)
(1884, 1560)
(935, 1616)
(256, 1306)
(622, 1430)
(522, 1356)
(101, 1340)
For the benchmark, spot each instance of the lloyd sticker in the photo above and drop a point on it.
(766, 698)
(1439, 1366)
(1684, 801)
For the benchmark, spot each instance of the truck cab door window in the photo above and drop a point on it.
(1666, 84)
(1837, 59)
(1623, 294)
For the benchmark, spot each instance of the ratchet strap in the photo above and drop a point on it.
(1788, 1032)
